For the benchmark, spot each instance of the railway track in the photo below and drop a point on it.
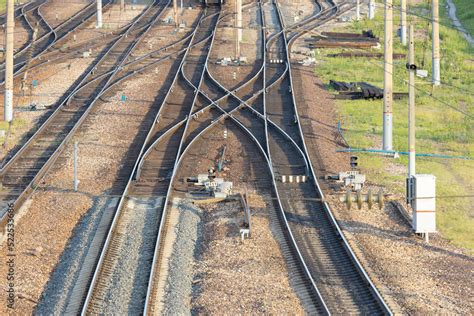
(27, 167)
(328, 277)
(339, 278)
(30, 17)
(46, 36)
(143, 192)
(18, 12)
(323, 269)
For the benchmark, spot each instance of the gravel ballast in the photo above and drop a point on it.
(56, 294)
(128, 281)
(178, 290)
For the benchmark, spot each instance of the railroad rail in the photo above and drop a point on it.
(169, 114)
(29, 14)
(190, 109)
(200, 41)
(326, 255)
(26, 168)
(46, 36)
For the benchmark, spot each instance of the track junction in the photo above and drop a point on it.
(323, 269)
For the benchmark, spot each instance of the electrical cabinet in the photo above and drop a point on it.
(424, 203)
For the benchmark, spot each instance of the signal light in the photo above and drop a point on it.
(354, 162)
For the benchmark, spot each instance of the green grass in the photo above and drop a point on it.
(465, 14)
(440, 129)
(3, 4)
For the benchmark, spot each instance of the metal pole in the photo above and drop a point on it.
(8, 108)
(371, 9)
(411, 105)
(388, 78)
(403, 22)
(436, 60)
(239, 20)
(175, 10)
(237, 42)
(99, 14)
(357, 10)
(76, 181)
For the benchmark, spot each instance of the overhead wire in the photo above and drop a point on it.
(422, 90)
(471, 92)
(428, 18)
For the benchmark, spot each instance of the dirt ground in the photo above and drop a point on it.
(414, 277)
(56, 11)
(248, 275)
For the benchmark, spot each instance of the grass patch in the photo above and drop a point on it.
(3, 4)
(440, 129)
(465, 14)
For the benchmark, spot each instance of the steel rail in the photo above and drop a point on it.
(111, 85)
(78, 86)
(199, 111)
(327, 209)
(226, 114)
(24, 16)
(59, 32)
(129, 182)
(25, 10)
(243, 103)
(48, 31)
(83, 83)
(320, 302)
(151, 282)
(40, 173)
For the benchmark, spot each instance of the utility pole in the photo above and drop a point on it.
(175, 10)
(403, 22)
(239, 19)
(238, 27)
(411, 104)
(122, 5)
(371, 9)
(436, 58)
(388, 78)
(357, 10)
(76, 181)
(421, 188)
(99, 14)
(8, 108)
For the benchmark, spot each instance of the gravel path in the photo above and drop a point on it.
(457, 23)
